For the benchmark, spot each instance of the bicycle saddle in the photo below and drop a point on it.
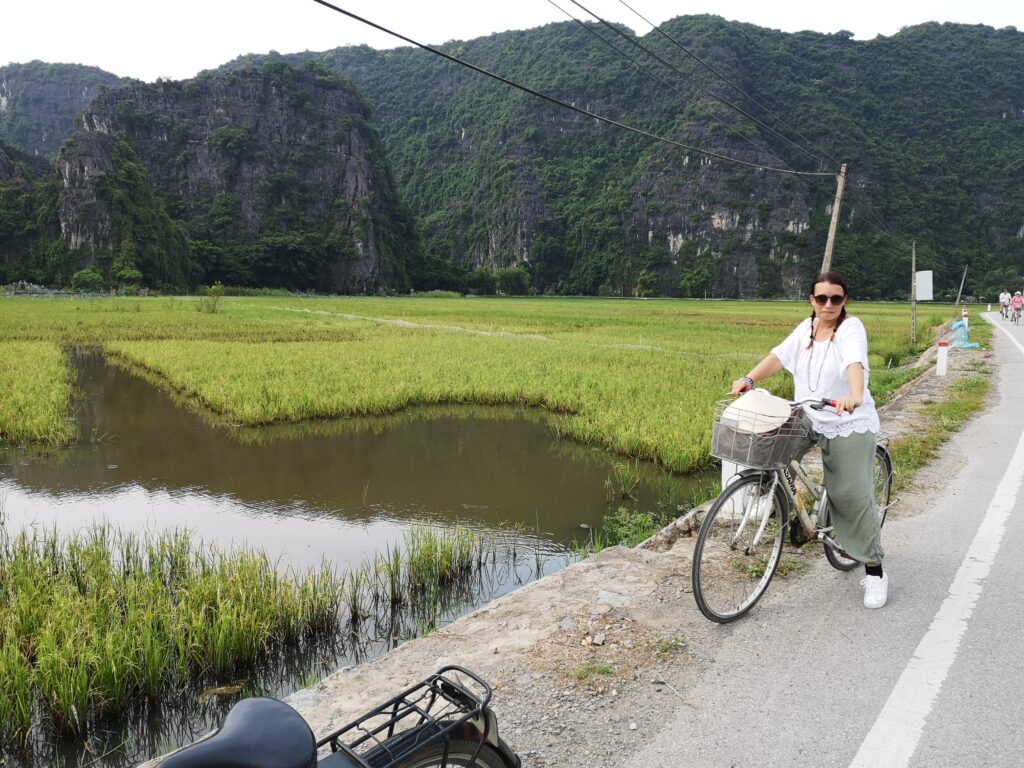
(257, 733)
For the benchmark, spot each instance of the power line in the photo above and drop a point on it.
(703, 63)
(564, 104)
(708, 91)
(648, 71)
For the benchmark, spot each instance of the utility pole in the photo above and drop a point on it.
(826, 262)
(913, 292)
(960, 292)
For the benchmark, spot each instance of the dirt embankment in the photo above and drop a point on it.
(584, 661)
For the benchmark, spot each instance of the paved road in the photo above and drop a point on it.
(932, 680)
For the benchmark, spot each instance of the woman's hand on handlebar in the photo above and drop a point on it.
(741, 385)
(839, 405)
(847, 404)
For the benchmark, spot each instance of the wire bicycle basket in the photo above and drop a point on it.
(755, 440)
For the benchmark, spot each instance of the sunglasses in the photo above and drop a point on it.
(823, 298)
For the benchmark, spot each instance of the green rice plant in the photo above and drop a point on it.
(356, 582)
(389, 568)
(36, 383)
(639, 379)
(437, 556)
(318, 598)
(154, 654)
(61, 671)
(623, 480)
(114, 674)
(16, 696)
(97, 619)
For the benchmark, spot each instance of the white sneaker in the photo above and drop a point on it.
(876, 590)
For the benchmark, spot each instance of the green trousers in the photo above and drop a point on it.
(849, 464)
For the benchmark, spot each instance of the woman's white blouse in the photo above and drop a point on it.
(820, 372)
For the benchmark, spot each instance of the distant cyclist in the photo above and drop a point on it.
(1004, 303)
(1015, 306)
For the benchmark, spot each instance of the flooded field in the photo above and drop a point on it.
(340, 491)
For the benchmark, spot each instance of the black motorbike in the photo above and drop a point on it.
(444, 721)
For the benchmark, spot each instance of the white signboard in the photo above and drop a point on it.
(924, 286)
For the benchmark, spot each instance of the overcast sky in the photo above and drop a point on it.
(177, 39)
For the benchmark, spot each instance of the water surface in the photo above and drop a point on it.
(339, 490)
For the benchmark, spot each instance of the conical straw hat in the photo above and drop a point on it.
(758, 410)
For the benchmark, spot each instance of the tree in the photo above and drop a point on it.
(512, 281)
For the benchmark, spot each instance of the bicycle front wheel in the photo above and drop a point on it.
(882, 481)
(739, 547)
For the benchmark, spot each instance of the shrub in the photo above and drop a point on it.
(211, 302)
(87, 280)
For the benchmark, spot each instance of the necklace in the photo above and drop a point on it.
(821, 365)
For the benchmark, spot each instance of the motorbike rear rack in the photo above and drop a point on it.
(451, 704)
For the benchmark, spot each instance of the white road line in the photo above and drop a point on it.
(893, 738)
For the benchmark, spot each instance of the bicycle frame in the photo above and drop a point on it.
(809, 521)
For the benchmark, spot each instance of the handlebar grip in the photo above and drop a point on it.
(823, 404)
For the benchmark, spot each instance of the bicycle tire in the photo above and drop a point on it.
(882, 480)
(729, 574)
(460, 755)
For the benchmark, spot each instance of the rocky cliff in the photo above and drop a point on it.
(275, 176)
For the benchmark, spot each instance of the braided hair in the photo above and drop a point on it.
(833, 278)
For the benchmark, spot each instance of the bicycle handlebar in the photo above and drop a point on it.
(816, 404)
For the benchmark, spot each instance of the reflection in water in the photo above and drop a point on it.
(338, 490)
(341, 489)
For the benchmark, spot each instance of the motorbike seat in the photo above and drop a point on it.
(257, 733)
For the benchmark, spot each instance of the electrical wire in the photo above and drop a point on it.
(566, 105)
(649, 72)
(707, 66)
(708, 91)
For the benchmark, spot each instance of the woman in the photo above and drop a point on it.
(827, 354)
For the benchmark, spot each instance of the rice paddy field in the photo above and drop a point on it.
(95, 622)
(638, 377)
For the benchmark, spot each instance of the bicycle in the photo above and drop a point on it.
(1015, 315)
(740, 542)
(444, 721)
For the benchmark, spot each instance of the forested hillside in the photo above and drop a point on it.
(271, 177)
(930, 121)
(39, 101)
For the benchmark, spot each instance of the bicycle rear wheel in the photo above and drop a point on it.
(739, 547)
(882, 480)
